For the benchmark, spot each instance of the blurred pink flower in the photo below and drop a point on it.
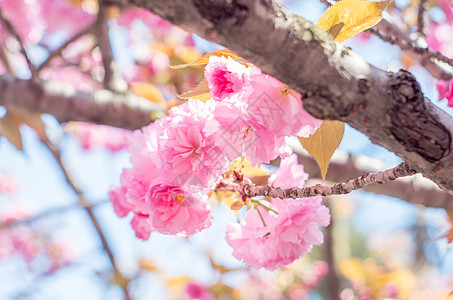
(94, 136)
(148, 18)
(445, 90)
(61, 15)
(8, 185)
(173, 211)
(197, 291)
(440, 36)
(142, 226)
(30, 29)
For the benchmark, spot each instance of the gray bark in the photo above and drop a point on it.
(67, 104)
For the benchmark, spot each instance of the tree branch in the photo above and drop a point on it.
(251, 190)
(67, 104)
(388, 107)
(415, 189)
(112, 78)
(60, 49)
(14, 33)
(120, 280)
(421, 25)
(387, 31)
(411, 46)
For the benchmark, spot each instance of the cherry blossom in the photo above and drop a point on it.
(225, 77)
(173, 211)
(272, 238)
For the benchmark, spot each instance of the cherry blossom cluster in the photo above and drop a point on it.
(180, 158)
(277, 234)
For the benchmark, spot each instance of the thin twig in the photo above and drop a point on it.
(421, 25)
(60, 49)
(411, 46)
(13, 31)
(120, 279)
(422, 55)
(49, 212)
(112, 77)
(251, 190)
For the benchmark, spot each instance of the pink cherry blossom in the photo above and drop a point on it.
(189, 148)
(285, 237)
(119, 202)
(261, 146)
(225, 77)
(142, 226)
(445, 89)
(143, 146)
(173, 211)
(276, 108)
(271, 240)
(289, 174)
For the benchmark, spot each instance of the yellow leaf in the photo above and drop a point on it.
(9, 128)
(149, 91)
(201, 92)
(177, 283)
(250, 171)
(357, 16)
(323, 143)
(34, 121)
(237, 205)
(205, 59)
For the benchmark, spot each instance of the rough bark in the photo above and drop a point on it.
(335, 82)
(67, 104)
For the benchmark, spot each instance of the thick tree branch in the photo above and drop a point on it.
(388, 107)
(251, 190)
(66, 104)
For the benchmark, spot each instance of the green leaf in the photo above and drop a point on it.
(323, 143)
